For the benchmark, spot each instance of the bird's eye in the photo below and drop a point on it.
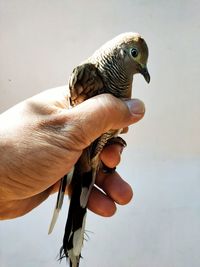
(134, 52)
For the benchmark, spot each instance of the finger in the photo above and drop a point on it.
(98, 202)
(101, 204)
(104, 112)
(115, 187)
(111, 155)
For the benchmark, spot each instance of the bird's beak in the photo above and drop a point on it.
(144, 71)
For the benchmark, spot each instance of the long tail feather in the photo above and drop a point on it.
(65, 181)
(75, 226)
(59, 202)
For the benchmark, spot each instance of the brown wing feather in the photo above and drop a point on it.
(85, 82)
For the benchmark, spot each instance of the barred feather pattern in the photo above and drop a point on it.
(113, 73)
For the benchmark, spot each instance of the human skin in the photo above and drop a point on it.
(41, 139)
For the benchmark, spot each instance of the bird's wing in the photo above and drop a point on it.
(85, 82)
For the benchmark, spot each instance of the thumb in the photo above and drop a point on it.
(102, 113)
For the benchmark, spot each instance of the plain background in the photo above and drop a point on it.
(40, 43)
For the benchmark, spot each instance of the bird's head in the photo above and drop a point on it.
(134, 51)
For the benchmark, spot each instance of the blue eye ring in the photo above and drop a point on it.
(134, 52)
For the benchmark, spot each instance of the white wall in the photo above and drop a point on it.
(40, 43)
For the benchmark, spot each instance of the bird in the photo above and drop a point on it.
(109, 70)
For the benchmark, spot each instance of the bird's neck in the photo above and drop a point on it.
(117, 80)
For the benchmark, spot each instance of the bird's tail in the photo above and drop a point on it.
(75, 225)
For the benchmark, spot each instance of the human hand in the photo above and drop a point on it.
(40, 141)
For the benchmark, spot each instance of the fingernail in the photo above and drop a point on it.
(136, 106)
(121, 149)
